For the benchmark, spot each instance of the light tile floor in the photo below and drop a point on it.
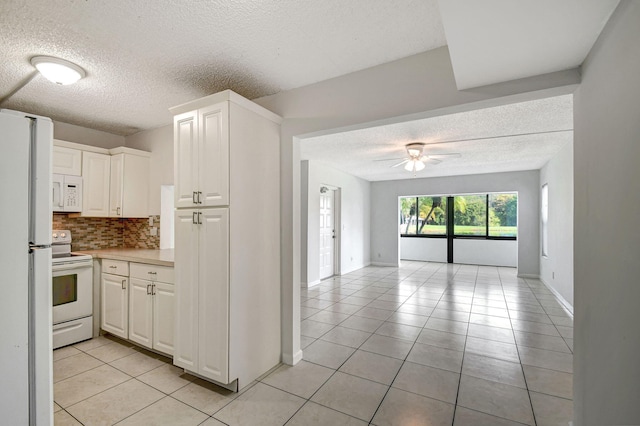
(427, 343)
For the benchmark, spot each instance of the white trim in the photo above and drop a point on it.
(395, 265)
(226, 95)
(292, 359)
(532, 276)
(562, 300)
(311, 284)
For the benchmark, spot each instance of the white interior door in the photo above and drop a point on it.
(327, 233)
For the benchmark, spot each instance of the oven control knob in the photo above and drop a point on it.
(63, 235)
(55, 235)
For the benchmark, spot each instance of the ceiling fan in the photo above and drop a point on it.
(417, 159)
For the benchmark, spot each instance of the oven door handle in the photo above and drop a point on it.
(70, 266)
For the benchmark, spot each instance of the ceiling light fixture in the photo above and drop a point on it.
(414, 165)
(58, 70)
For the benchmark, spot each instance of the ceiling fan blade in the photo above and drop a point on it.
(449, 155)
(401, 163)
(433, 161)
(390, 159)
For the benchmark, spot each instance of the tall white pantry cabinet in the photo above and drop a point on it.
(227, 238)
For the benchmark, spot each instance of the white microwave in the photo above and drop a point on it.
(67, 193)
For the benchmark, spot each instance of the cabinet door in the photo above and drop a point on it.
(67, 161)
(135, 188)
(186, 290)
(114, 304)
(140, 312)
(213, 158)
(163, 317)
(213, 299)
(95, 186)
(115, 186)
(185, 135)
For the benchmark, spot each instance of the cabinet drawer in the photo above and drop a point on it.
(157, 273)
(115, 267)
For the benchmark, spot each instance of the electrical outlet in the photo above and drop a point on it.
(150, 221)
(153, 231)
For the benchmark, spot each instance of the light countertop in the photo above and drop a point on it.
(162, 257)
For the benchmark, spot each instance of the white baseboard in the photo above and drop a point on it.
(394, 265)
(354, 268)
(292, 359)
(532, 276)
(311, 284)
(562, 300)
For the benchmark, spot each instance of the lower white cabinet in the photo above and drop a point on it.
(151, 307)
(141, 308)
(114, 303)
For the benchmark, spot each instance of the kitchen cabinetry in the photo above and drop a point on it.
(96, 170)
(66, 161)
(227, 233)
(202, 157)
(114, 297)
(129, 183)
(151, 306)
(137, 303)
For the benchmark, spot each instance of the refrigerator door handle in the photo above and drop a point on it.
(40, 181)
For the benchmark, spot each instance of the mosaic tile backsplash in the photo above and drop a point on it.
(93, 233)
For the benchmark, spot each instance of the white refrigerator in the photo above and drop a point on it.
(26, 382)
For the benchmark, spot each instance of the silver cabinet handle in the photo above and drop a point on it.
(152, 273)
(153, 289)
(148, 288)
(193, 218)
(193, 197)
(113, 267)
(124, 287)
(118, 211)
(199, 194)
(199, 218)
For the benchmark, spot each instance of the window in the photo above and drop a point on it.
(490, 216)
(544, 216)
(423, 216)
(470, 215)
(503, 215)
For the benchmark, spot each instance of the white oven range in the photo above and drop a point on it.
(72, 294)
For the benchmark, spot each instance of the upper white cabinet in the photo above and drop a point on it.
(96, 170)
(227, 255)
(202, 157)
(129, 183)
(66, 161)
(115, 181)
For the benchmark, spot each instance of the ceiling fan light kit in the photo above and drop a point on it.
(58, 70)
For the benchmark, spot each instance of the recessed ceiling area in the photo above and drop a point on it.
(145, 56)
(519, 136)
(493, 41)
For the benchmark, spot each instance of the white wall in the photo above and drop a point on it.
(159, 142)
(415, 87)
(72, 133)
(354, 232)
(384, 207)
(424, 249)
(556, 268)
(468, 251)
(606, 232)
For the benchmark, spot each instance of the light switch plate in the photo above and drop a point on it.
(150, 220)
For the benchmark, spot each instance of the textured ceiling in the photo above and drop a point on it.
(492, 41)
(145, 56)
(522, 136)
